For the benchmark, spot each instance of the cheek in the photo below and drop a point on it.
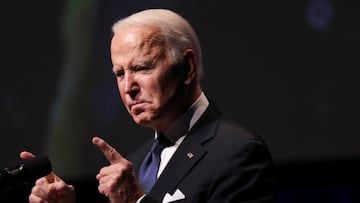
(151, 88)
(166, 93)
(170, 85)
(120, 90)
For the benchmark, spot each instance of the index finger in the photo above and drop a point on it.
(109, 152)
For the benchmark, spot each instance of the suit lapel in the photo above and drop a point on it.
(189, 153)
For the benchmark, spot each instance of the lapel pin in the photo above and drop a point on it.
(190, 155)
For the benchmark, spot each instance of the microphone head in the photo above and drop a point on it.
(30, 169)
(36, 168)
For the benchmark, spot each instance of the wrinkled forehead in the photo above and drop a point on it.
(136, 46)
(138, 37)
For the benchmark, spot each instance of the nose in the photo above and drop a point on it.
(131, 86)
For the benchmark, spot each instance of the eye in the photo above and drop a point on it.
(119, 73)
(143, 69)
(140, 68)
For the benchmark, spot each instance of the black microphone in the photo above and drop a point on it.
(25, 170)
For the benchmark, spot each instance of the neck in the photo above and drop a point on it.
(178, 109)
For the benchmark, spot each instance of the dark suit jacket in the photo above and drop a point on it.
(228, 164)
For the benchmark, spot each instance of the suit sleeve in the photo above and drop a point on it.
(246, 176)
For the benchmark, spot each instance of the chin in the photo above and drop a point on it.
(142, 121)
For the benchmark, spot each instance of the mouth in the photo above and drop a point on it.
(137, 106)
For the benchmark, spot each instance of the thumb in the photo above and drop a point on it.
(52, 178)
(109, 152)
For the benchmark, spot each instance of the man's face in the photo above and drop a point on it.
(149, 85)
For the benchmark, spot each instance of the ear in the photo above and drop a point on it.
(190, 69)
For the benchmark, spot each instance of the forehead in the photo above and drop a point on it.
(140, 37)
(137, 44)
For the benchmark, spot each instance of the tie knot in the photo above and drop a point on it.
(164, 141)
(161, 143)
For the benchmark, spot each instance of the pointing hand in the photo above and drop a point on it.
(117, 181)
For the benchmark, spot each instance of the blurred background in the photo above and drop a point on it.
(286, 69)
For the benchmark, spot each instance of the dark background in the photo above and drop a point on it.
(286, 69)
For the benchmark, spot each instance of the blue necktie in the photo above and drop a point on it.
(149, 167)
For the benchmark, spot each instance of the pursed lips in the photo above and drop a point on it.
(136, 105)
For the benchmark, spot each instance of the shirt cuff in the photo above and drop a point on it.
(139, 200)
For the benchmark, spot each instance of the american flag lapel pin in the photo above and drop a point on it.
(190, 155)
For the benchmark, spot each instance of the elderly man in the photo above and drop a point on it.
(195, 154)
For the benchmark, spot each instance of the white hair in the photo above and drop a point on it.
(177, 32)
